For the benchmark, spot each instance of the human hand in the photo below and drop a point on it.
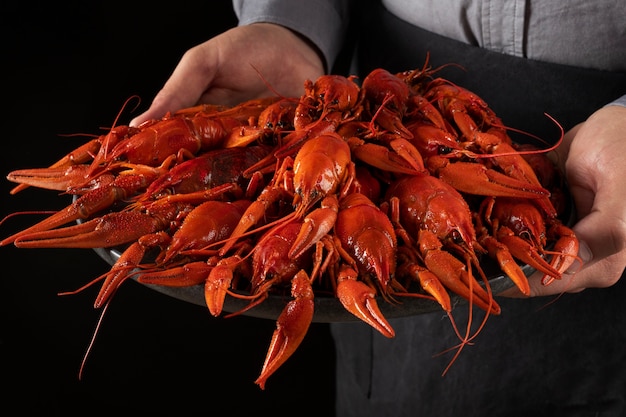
(592, 156)
(246, 62)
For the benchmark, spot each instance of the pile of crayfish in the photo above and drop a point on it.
(400, 186)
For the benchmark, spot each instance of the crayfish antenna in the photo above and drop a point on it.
(92, 341)
(468, 337)
(110, 140)
(12, 238)
(84, 287)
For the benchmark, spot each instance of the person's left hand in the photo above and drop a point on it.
(593, 155)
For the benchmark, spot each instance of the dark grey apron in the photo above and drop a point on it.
(541, 357)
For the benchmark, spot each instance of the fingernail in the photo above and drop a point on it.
(585, 255)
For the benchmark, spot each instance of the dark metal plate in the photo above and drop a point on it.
(327, 309)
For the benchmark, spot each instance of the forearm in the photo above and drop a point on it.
(322, 22)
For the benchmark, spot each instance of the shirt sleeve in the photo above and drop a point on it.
(323, 22)
(619, 102)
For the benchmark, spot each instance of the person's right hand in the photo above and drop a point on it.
(591, 155)
(243, 63)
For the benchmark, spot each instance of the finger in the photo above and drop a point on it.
(165, 101)
(603, 231)
(157, 109)
(592, 270)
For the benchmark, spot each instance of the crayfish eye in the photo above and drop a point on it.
(456, 237)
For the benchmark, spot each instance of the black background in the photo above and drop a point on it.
(68, 68)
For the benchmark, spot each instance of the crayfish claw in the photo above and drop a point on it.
(218, 282)
(503, 255)
(315, 226)
(474, 178)
(453, 273)
(359, 299)
(291, 327)
(433, 286)
(565, 250)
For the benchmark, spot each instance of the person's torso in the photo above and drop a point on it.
(581, 33)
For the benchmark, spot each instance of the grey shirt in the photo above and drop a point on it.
(581, 33)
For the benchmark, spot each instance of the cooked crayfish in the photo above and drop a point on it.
(403, 187)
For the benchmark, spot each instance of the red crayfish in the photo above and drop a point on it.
(404, 186)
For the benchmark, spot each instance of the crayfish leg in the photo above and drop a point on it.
(187, 275)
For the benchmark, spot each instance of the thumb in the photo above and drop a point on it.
(165, 101)
(183, 89)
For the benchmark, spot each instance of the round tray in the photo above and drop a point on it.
(327, 309)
